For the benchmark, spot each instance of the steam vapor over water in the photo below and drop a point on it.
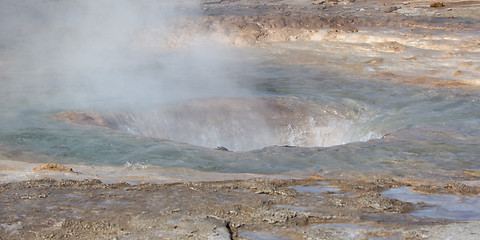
(101, 54)
(122, 70)
(112, 55)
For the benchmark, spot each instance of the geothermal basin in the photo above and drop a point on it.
(206, 119)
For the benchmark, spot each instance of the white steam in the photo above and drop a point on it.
(89, 54)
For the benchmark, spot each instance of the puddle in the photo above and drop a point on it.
(344, 226)
(113, 203)
(356, 231)
(321, 188)
(440, 206)
(70, 196)
(294, 208)
(260, 236)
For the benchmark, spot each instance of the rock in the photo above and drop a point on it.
(471, 174)
(437, 5)
(391, 9)
(83, 117)
(389, 47)
(222, 149)
(53, 167)
(450, 188)
(332, 1)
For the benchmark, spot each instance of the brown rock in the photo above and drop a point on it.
(390, 47)
(471, 174)
(53, 167)
(437, 5)
(391, 9)
(84, 118)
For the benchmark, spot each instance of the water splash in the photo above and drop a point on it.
(237, 124)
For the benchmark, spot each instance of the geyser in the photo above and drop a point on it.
(117, 56)
(234, 123)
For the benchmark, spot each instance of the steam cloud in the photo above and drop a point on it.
(91, 54)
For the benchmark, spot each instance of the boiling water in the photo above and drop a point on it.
(277, 108)
(237, 124)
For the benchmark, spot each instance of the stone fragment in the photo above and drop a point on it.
(391, 9)
(437, 5)
(53, 167)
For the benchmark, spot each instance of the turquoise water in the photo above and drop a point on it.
(435, 130)
(443, 135)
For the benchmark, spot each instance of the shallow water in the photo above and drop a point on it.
(261, 236)
(434, 131)
(439, 206)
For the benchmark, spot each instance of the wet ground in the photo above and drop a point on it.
(404, 42)
(258, 208)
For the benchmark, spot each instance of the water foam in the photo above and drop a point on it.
(239, 124)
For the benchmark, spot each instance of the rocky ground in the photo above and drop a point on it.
(252, 22)
(259, 208)
(409, 42)
(268, 207)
